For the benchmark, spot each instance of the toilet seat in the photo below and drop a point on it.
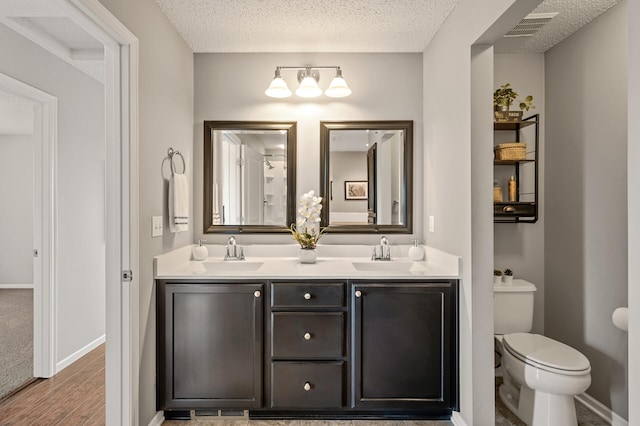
(546, 354)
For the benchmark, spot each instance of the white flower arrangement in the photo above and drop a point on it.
(306, 231)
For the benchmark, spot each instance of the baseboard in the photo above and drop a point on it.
(601, 410)
(79, 354)
(11, 286)
(457, 420)
(157, 419)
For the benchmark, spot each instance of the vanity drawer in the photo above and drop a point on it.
(307, 384)
(303, 295)
(307, 335)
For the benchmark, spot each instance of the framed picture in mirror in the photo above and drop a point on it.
(355, 190)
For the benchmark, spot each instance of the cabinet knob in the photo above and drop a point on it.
(307, 296)
(257, 293)
(358, 293)
(307, 386)
(307, 336)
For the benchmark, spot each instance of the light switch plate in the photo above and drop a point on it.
(156, 226)
(432, 225)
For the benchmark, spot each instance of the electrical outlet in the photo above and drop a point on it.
(432, 225)
(156, 226)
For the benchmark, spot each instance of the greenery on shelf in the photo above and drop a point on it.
(504, 96)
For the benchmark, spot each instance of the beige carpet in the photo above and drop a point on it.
(16, 339)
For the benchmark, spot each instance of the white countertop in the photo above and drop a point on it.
(281, 262)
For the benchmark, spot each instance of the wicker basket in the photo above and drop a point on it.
(510, 151)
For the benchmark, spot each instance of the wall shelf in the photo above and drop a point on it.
(519, 211)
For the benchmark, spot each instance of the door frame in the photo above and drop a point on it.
(121, 49)
(44, 222)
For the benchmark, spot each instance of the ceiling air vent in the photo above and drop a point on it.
(531, 24)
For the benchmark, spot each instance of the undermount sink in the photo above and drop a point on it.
(240, 266)
(384, 266)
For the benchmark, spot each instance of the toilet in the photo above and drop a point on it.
(540, 375)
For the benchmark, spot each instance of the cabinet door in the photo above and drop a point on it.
(404, 346)
(213, 348)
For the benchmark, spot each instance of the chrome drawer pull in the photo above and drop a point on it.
(307, 386)
(307, 336)
(307, 296)
(358, 293)
(256, 294)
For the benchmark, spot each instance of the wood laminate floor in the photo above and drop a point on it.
(75, 396)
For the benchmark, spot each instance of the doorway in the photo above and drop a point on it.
(119, 206)
(26, 136)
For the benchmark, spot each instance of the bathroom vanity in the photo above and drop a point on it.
(342, 338)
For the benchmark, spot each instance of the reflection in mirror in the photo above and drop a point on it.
(249, 176)
(366, 176)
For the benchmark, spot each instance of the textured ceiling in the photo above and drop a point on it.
(307, 26)
(573, 14)
(349, 26)
(16, 115)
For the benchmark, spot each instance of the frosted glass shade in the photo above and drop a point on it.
(308, 88)
(278, 89)
(338, 88)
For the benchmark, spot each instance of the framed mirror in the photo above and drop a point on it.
(366, 176)
(249, 176)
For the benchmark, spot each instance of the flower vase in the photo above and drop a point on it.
(307, 255)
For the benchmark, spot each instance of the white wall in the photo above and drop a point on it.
(16, 193)
(386, 86)
(449, 176)
(586, 199)
(166, 120)
(520, 247)
(633, 149)
(79, 293)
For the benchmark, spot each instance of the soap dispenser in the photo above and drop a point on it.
(415, 251)
(200, 252)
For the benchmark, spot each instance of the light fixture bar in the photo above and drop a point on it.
(308, 77)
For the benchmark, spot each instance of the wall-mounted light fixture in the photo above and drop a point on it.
(308, 78)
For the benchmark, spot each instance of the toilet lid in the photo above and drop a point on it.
(547, 354)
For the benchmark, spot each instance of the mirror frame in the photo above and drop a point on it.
(407, 184)
(291, 131)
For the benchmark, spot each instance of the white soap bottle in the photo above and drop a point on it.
(415, 252)
(200, 252)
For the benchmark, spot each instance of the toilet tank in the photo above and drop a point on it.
(513, 307)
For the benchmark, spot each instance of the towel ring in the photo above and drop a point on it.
(171, 153)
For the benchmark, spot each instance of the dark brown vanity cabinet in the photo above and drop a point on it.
(404, 345)
(332, 348)
(210, 345)
(308, 353)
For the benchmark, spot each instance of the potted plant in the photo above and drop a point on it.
(508, 276)
(306, 231)
(497, 276)
(503, 98)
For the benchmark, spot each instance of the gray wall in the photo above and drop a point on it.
(586, 202)
(16, 193)
(520, 247)
(80, 291)
(230, 86)
(455, 77)
(166, 119)
(347, 166)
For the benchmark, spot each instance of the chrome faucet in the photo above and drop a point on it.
(234, 252)
(382, 251)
